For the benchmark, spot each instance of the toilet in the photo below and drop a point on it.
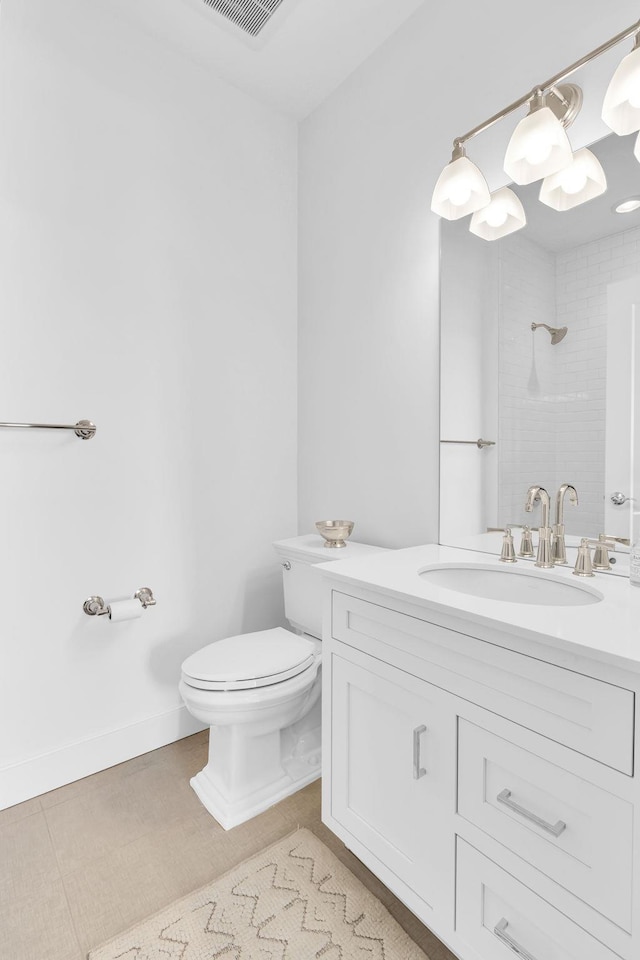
(259, 693)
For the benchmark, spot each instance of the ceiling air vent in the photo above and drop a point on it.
(250, 15)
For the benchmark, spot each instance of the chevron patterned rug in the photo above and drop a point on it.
(293, 901)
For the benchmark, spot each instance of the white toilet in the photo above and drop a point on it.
(260, 695)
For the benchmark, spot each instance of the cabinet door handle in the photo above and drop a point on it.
(555, 829)
(500, 931)
(418, 771)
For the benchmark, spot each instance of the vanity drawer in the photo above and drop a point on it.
(576, 833)
(498, 917)
(590, 716)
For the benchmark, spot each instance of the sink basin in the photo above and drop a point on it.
(509, 585)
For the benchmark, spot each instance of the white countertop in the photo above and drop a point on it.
(609, 630)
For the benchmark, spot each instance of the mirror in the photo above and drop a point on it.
(553, 405)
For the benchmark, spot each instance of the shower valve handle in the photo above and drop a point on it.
(618, 499)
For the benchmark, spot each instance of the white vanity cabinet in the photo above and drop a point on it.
(392, 796)
(488, 780)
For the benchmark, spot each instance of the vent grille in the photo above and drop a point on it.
(250, 15)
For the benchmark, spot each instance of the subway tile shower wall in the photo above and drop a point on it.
(557, 393)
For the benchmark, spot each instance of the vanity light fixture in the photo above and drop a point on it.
(502, 216)
(627, 206)
(461, 187)
(582, 180)
(539, 147)
(621, 107)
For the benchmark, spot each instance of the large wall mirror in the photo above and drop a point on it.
(554, 405)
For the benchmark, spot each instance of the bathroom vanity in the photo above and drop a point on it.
(479, 753)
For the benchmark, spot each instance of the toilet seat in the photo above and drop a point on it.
(249, 660)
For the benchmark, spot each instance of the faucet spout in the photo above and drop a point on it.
(534, 494)
(558, 548)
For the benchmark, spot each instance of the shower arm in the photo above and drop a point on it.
(557, 333)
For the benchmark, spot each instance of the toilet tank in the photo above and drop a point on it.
(302, 585)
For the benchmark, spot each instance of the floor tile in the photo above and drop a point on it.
(108, 851)
(38, 926)
(20, 811)
(89, 826)
(27, 858)
(111, 894)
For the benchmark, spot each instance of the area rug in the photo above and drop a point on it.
(293, 901)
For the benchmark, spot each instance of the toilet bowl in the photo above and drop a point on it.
(259, 693)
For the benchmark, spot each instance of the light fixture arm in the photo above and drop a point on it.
(541, 88)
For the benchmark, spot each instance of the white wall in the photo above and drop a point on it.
(369, 158)
(148, 256)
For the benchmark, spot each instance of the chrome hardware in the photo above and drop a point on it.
(286, 565)
(583, 567)
(617, 499)
(526, 543)
(480, 443)
(145, 596)
(535, 494)
(500, 931)
(622, 540)
(508, 554)
(96, 606)
(418, 771)
(601, 553)
(553, 828)
(557, 333)
(84, 429)
(558, 548)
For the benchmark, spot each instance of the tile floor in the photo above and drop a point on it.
(84, 862)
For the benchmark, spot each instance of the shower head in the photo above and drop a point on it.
(557, 333)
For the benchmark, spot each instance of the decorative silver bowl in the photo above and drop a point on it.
(335, 532)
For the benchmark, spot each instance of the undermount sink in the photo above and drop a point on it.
(509, 585)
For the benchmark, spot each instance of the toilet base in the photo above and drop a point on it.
(229, 813)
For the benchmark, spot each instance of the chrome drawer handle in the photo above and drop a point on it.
(555, 829)
(500, 931)
(418, 771)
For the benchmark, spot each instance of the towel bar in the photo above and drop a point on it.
(84, 429)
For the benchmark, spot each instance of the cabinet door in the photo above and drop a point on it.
(390, 757)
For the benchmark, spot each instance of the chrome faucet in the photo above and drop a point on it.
(535, 494)
(558, 550)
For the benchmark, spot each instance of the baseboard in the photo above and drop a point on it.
(28, 779)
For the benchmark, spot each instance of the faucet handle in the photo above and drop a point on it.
(526, 543)
(508, 554)
(601, 553)
(584, 567)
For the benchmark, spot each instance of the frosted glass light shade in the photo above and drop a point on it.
(621, 107)
(503, 215)
(582, 180)
(538, 147)
(461, 189)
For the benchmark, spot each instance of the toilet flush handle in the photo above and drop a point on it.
(286, 565)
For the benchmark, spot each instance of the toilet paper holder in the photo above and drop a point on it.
(96, 606)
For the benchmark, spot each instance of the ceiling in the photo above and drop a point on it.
(307, 51)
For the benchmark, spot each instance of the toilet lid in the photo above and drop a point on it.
(248, 660)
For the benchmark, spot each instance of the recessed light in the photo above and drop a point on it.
(627, 206)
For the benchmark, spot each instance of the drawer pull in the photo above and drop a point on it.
(500, 931)
(555, 829)
(418, 771)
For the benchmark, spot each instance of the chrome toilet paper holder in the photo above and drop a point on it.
(96, 606)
